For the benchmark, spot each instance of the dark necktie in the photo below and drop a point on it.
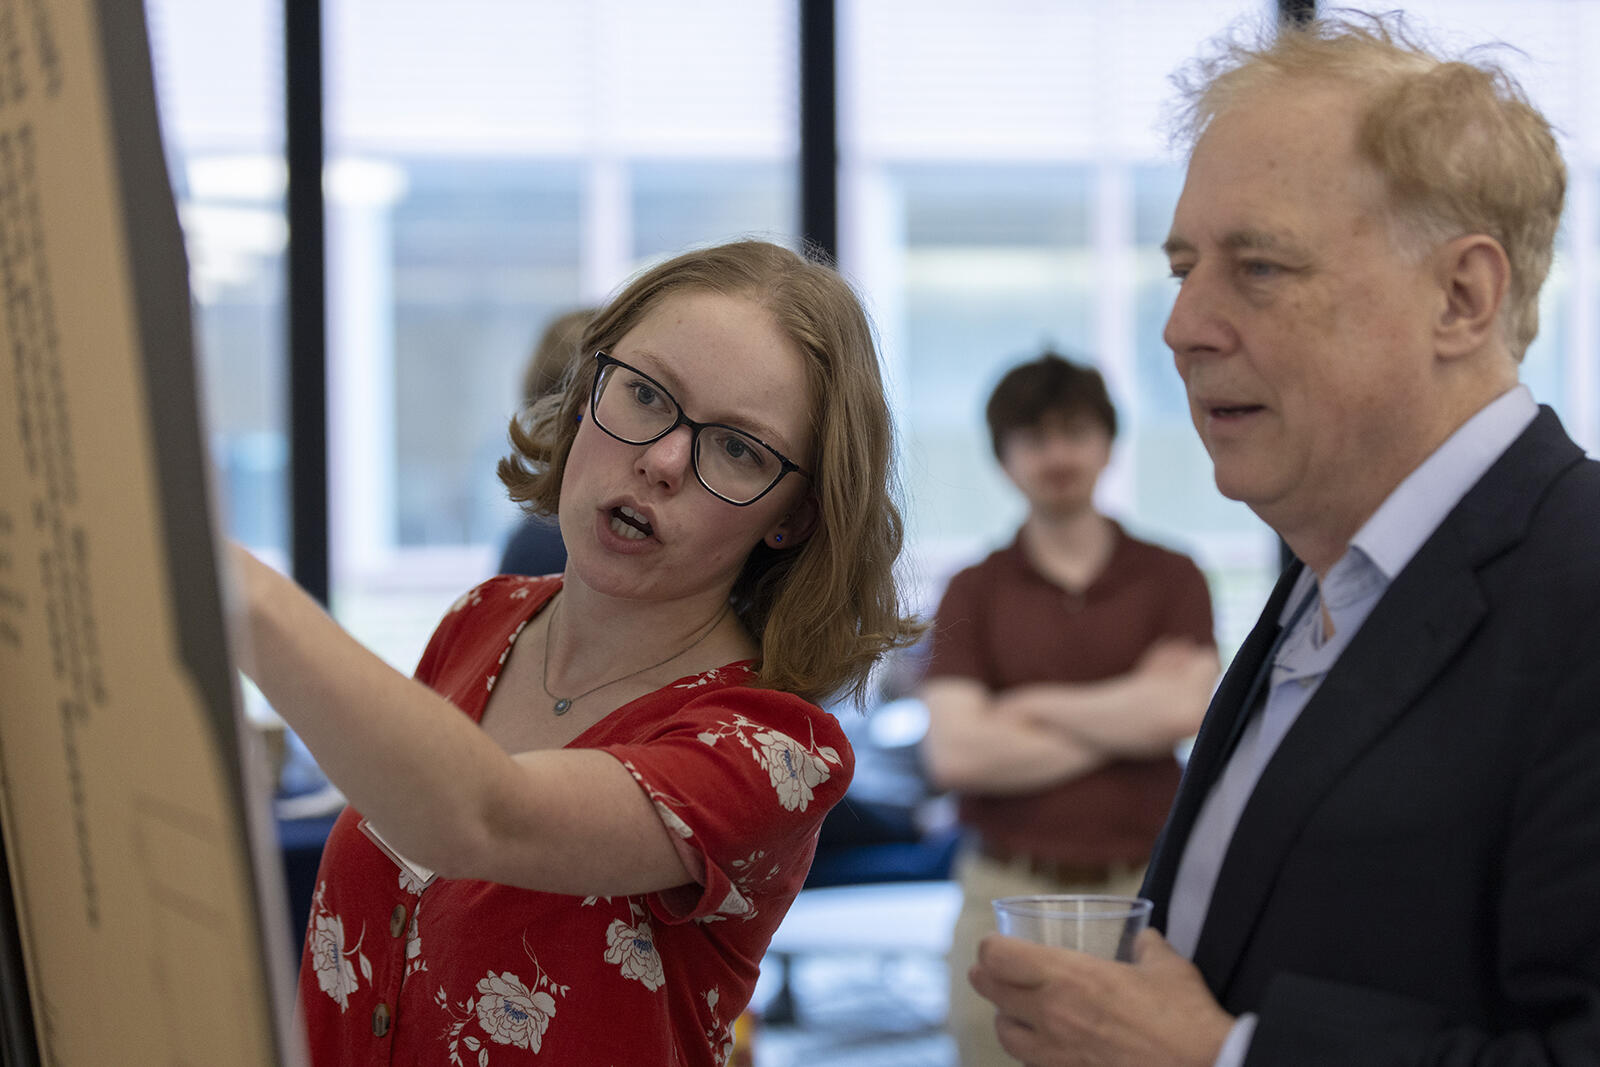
(1258, 684)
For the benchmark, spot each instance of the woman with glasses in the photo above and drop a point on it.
(572, 835)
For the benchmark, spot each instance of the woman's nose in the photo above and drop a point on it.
(669, 459)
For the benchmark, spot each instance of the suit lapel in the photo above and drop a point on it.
(1206, 758)
(1425, 617)
(1403, 645)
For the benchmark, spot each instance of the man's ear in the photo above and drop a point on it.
(793, 529)
(1474, 277)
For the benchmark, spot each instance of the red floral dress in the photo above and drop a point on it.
(399, 970)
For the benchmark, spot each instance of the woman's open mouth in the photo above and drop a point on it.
(629, 524)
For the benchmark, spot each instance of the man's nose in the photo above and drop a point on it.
(1198, 324)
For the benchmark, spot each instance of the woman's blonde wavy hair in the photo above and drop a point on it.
(825, 612)
(1458, 144)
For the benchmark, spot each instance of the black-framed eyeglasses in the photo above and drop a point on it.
(733, 465)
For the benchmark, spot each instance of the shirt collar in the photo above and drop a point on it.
(1119, 543)
(1411, 513)
(1416, 507)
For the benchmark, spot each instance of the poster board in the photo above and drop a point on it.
(147, 908)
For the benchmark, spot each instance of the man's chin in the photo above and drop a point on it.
(1249, 488)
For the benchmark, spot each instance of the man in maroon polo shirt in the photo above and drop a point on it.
(1065, 667)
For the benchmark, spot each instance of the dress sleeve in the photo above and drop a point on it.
(742, 778)
(957, 649)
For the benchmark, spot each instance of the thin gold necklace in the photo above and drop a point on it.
(563, 705)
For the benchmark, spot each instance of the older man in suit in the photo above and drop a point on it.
(1386, 848)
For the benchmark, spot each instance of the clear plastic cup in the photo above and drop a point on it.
(1104, 926)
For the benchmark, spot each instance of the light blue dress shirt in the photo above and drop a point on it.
(1352, 588)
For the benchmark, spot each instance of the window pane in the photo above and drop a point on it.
(490, 167)
(219, 82)
(1552, 43)
(484, 252)
(1007, 188)
(679, 204)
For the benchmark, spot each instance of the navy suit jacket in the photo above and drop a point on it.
(1416, 877)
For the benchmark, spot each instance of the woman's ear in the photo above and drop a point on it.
(793, 529)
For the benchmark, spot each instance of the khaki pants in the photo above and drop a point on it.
(971, 1020)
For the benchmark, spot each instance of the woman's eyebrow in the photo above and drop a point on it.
(657, 368)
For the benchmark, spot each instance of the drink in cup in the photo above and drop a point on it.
(1104, 926)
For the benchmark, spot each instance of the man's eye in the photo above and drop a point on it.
(1259, 268)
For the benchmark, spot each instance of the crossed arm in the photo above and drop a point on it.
(1028, 738)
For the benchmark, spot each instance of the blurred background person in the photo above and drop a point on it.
(1065, 668)
(535, 546)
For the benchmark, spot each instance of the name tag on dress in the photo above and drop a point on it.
(422, 874)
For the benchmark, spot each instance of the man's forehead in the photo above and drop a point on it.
(1306, 121)
(1266, 180)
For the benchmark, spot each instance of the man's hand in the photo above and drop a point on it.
(1058, 1008)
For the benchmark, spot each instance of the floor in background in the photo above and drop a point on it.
(859, 1011)
(792, 1050)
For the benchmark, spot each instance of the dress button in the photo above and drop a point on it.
(380, 1020)
(397, 921)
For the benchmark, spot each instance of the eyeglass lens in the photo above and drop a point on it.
(635, 409)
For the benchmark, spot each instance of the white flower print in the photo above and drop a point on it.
(508, 1010)
(719, 1035)
(734, 903)
(522, 592)
(414, 961)
(794, 770)
(409, 882)
(512, 1014)
(336, 975)
(634, 948)
(673, 823)
(413, 941)
(468, 599)
(663, 803)
(510, 643)
(713, 675)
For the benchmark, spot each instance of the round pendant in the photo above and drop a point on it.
(562, 706)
